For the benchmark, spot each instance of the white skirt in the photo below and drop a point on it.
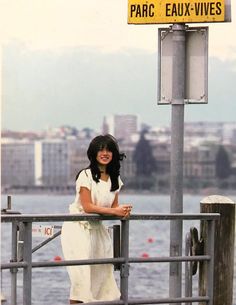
(87, 240)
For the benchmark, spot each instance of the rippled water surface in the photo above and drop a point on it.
(150, 238)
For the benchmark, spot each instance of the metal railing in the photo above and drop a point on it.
(25, 221)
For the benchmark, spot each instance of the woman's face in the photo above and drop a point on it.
(104, 156)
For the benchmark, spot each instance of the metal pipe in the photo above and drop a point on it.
(70, 217)
(102, 261)
(116, 244)
(8, 202)
(46, 241)
(5, 266)
(188, 268)
(177, 136)
(168, 300)
(27, 257)
(20, 246)
(135, 301)
(124, 272)
(170, 259)
(14, 259)
(116, 302)
(210, 267)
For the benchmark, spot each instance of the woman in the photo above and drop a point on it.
(97, 189)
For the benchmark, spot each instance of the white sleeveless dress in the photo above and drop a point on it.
(85, 240)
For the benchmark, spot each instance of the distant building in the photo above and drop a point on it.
(161, 152)
(218, 132)
(128, 167)
(229, 133)
(51, 163)
(211, 130)
(77, 157)
(121, 126)
(200, 166)
(17, 162)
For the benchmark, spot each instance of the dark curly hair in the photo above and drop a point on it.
(113, 168)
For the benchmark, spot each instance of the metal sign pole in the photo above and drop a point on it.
(179, 43)
(177, 140)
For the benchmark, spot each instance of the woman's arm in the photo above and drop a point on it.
(126, 207)
(89, 207)
(115, 202)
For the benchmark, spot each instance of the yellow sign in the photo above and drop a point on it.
(175, 11)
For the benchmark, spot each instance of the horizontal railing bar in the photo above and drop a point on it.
(13, 265)
(170, 259)
(155, 301)
(116, 302)
(167, 300)
(91, 217)
(101, 261)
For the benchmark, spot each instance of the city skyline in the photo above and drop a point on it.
(53, 158)
(141, 126)
(94, 64)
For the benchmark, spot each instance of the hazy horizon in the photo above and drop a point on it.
(79, 86)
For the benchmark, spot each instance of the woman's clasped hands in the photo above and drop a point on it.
(123, 210)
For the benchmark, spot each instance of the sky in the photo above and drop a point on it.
(72, 62)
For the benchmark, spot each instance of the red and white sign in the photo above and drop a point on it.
(42, 231)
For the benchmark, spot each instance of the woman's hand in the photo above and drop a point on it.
(123, 210)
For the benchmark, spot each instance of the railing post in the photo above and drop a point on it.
(20, 246)
(8, 202)
(124, 272)
(210, 267)
(188, 268)
(27, 257)
(116, 244)
(14, 259)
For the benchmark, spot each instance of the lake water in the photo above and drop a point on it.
(51, 285)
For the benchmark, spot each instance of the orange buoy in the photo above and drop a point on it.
(150, 240)
(57, 258)
(145, 255)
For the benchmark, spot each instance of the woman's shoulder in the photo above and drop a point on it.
(84, 173)
(84, 179)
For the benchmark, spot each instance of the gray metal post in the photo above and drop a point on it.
(116, 244)
(27, 257)
(14, 259)
(20, 248)
(177, 136)
(210, 251)
(9, 202)
(124, 271)
(188, 268)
